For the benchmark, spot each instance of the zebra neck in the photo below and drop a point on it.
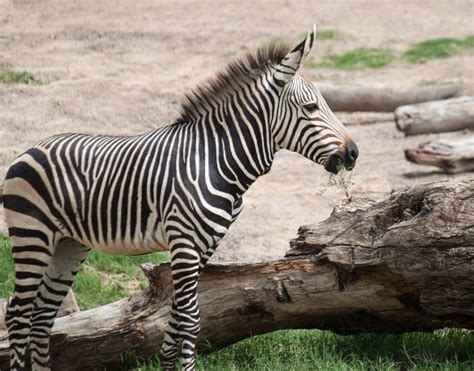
(234, 149)
(234, 132)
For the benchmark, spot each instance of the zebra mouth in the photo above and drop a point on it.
(338, 162)
(344, 159)
(335, 163)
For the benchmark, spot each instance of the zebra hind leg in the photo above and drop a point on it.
(183, 328)
(68, 258)
(32, 251)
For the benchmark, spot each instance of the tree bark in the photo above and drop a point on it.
(452, 156)
(365, 118)
(401, 264)
(352, 98)
(436, 117)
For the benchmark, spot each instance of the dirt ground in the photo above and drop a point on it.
(121, 67)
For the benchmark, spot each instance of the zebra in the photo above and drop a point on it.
(177, 188)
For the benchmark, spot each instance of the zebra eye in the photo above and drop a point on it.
(311, 107)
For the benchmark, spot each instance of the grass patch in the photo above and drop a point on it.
(106, 278)
(358, 59)
(324, 350)
(19, 77)
(329, 35)
(128, 265)
(437, 48)
(6, 268)
(92, 289)
(364, 58)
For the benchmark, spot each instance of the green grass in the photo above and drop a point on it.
(437, 48)
(358, 59)
(6, 268)
(329, 35)
(324, 350)
(93, 290)
(104, 279)
(128, 265)
(19, 77)
(365, 57)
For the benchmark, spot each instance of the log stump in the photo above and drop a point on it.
(452, 156)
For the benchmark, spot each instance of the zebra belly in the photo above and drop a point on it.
(125, 249)
(152, 240)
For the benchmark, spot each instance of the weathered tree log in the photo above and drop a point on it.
(365, 118)
(452, 156)
(352, 98)
(436, 117)
(402, 264)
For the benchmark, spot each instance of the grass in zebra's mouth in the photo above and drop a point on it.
(342, 180)
(19, 77)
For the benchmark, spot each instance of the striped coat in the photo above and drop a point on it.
(177, 188)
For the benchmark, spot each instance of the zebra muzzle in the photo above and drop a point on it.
(343, 159)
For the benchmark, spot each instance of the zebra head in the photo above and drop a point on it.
(304, 123)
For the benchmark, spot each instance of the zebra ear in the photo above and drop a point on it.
(293, 60)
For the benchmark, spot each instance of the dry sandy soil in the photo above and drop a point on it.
(121, 67)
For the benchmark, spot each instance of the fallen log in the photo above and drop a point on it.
(436, 117)
(402, 264)
(452, 156)
(352, 98)
(365, 118)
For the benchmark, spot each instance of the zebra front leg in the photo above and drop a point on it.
(237, 209)
(68, 258)
(183, 328)
(206, 256)
(169, 348)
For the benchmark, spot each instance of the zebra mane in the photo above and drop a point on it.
(225, 82)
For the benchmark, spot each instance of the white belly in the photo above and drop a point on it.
(152, 241)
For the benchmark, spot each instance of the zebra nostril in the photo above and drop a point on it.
(354, 155)
(352, 151)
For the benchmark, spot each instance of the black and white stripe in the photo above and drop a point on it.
(177, 188)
